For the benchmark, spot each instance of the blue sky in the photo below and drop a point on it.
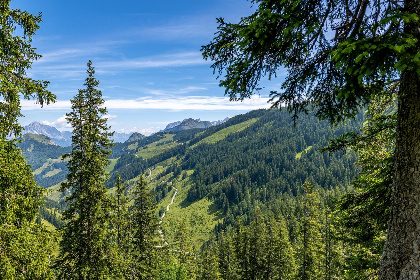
(146, 55)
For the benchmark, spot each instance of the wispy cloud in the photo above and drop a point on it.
(144, 131)
(204, 103)
(176, 92)
(57, 64)
(176, 31)
(167, 60)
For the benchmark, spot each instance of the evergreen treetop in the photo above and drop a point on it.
(86, 251)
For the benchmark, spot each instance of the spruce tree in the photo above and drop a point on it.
(228, 263)
(364, 212)
(209, 265)
(85, 250)
(240, 241)
(309, 252)
(121, 225)
(25, 248)
(122, 216)
(257, 240)
(279, 252)
(144, 224)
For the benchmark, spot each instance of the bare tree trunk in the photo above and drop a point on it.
(401, 257)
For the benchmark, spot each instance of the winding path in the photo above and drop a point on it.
(162, 236)
(163, 216)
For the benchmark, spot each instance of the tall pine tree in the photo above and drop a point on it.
(25, 248)
(144, 224)
(85, 250)
(309, 252)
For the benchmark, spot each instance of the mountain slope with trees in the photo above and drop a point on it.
(250, 160)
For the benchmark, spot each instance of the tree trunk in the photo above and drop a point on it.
(401, 257)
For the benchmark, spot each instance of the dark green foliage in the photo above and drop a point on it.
(262, 161)
(364, 212)
(17, 55)
(327, 72)
(309, 247)
(339, 55)
(173, 271)
(26, 252)
(25, 248)
(21, 197)
(261, 250)
(85, 250)
(143, 226)
(209, 265)
(122, 217)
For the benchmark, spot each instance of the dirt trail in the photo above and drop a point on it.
(160, 229)
(163, 216)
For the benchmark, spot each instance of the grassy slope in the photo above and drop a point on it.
(222, 134)
(299, 155)
(157, 147)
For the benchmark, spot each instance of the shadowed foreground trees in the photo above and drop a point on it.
(339, 55)
(25, 247)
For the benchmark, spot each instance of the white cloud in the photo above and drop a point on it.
(179, 91)
(203, 103)
(169, 60)
(56, 65)
(59, 123)
(144, 131)
(109, 117)
(177, 31)
(58, 105)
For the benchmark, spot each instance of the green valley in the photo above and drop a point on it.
(222, 172)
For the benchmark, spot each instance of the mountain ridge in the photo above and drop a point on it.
(191, 123)
(63, 138)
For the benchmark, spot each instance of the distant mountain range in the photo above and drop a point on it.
(63, 138)
(190, 124)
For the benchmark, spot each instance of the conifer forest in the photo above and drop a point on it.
(323, 185)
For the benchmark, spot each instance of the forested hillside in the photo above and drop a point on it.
(250, 160)
(216, 186)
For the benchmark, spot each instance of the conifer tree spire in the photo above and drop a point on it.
(85, 250)
(144, 223)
